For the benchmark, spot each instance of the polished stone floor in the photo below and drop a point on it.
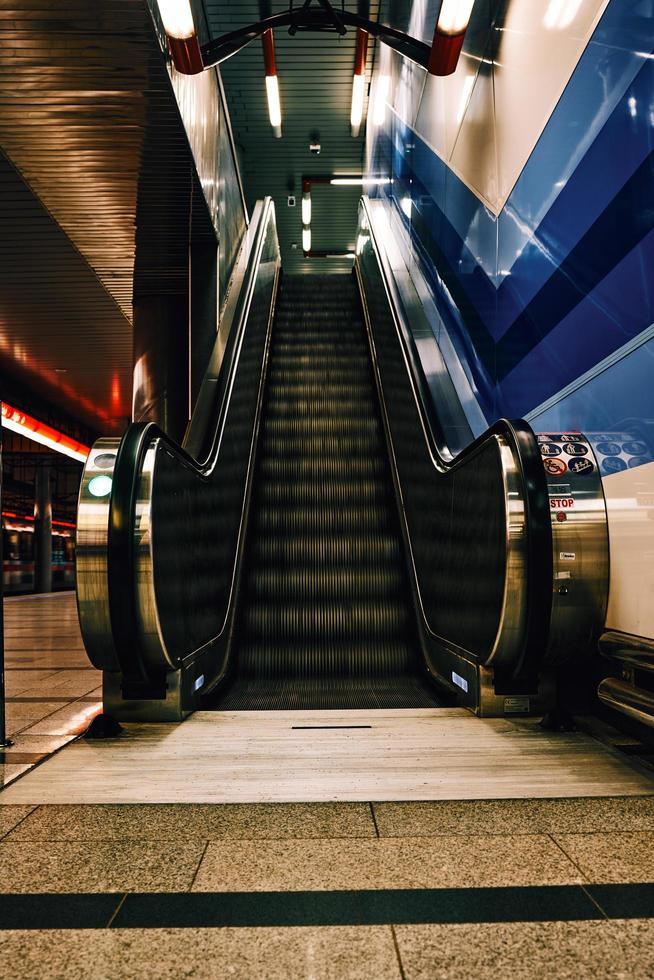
(521, 888)
(373, 888)
(52, 690)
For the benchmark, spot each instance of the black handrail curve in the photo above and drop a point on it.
(121, 570)
(522, 440)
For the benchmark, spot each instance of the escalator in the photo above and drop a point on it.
(325, 620)
(316, 542)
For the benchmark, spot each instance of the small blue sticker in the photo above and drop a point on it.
(608, 448)
(580, 467)
(613, 464)
(638, 461)
(576, 449)
(199, 681)
(460, 681)
(550, 449)
(635, 448)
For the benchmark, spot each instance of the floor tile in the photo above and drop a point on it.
(206, 822)
(407, 863)
(30, 713)
(522, 951)
(10, 816)
(76, 683)
(330, 953)
(73, 718)
(611, 857)
(630, 813)
(117, 866)
(637, 937)
(18, 681)
(9, 772)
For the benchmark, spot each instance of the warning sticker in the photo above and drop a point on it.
(561, 503)
(555, 467)
(567, 556)
(608, 448)
(580, 466)
(635, 448)
(550, 449)
(576, 449)
(613, 464)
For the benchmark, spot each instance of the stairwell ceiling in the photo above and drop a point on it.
(315, 80)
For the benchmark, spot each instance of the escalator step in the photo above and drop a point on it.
(324, 620)
(303, 584)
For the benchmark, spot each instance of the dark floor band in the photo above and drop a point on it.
(554, 903)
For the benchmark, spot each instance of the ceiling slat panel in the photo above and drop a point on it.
(315, 81)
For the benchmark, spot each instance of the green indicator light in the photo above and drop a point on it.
(100, 486)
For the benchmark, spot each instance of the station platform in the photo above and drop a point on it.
(393, 844)
(53, 692)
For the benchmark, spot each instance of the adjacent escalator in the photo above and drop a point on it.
(325, 619)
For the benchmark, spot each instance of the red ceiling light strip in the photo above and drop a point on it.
(30, 517)
(24, 425)
(451, 27)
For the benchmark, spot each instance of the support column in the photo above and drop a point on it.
(161, 370)
(43, 531)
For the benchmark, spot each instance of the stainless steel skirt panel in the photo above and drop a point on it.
(187, 518)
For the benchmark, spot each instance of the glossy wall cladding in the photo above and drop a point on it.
(547, 276)
(522, 199)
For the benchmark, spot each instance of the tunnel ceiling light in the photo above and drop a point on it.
(358, 96)
(451, 27)
(306, 208)
(24, 425)
(272, 84)
(306, 239)
(359, 181)
(359, 81)
(177, 18)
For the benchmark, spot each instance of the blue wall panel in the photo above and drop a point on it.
(541, 293)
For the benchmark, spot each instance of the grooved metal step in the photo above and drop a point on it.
(325, 619)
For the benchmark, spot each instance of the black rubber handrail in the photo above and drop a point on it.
(121, 572)
(522, 439)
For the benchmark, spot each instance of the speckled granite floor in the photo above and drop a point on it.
(526, 888)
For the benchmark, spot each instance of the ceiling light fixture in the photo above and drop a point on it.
(359, 181)
(306, 240)
(272, 84)
(451, 27)
(177, 18)
(359, 81)
(24, 425)
(306, 207)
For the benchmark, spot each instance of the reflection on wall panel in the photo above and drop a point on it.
(524, 189)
